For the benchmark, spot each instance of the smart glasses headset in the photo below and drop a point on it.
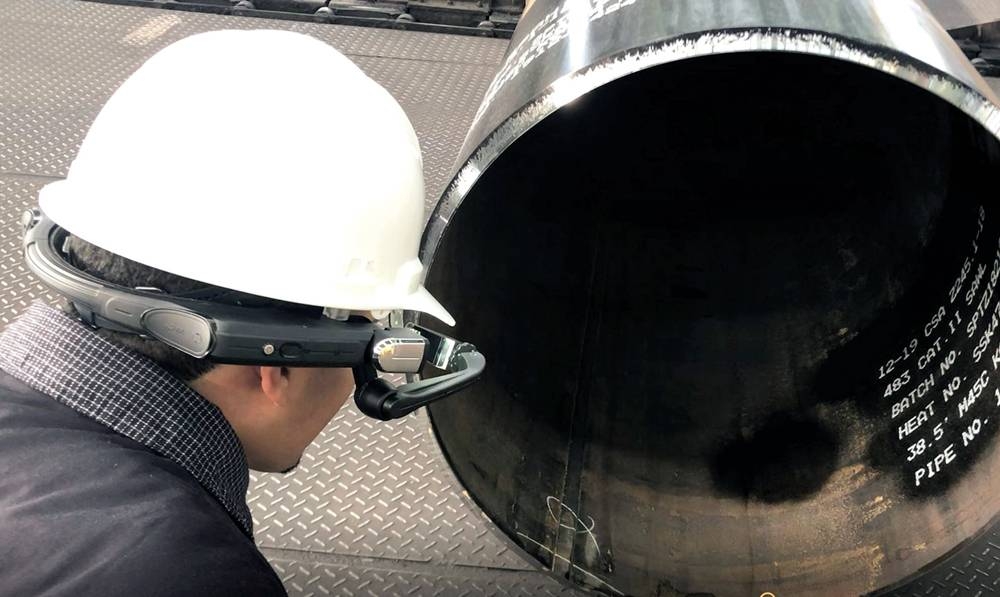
(241, 329)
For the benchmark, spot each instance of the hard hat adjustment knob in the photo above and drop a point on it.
(29, 218)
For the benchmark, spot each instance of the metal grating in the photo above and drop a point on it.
(484, 18)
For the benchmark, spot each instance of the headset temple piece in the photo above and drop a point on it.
(462, 363)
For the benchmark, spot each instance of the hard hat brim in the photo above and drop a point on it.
(57, 200)
(422, 301)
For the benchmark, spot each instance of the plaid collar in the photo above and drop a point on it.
(59, 356)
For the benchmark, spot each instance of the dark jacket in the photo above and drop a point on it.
(116, 478)
(86, 511)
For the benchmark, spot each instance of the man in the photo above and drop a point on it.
(124, 454)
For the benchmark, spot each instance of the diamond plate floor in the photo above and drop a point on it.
(399, 578)
(380, 490)
(962, 13)
(374, 508)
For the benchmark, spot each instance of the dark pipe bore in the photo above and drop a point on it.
(705, 292)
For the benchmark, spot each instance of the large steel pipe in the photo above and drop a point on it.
(734, 265)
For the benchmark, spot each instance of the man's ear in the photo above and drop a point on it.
(274, 384)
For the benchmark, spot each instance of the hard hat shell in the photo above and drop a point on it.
(261, 161)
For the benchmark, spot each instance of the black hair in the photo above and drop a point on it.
(124, 272)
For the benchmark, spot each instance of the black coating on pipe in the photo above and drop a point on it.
(686, 282)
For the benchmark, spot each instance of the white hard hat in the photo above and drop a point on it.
(261, 161)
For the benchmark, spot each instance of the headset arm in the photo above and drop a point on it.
(377, 398)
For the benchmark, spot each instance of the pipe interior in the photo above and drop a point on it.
(688, 285)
